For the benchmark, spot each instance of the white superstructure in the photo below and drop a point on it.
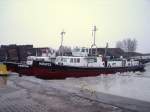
(30, 59)
(80, 58)
(80, 61)
(80, 51)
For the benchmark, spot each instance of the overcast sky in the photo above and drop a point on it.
(39, 22)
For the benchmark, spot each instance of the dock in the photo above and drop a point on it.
(29, 94)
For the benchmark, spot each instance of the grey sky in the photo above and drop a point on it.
(39, 22)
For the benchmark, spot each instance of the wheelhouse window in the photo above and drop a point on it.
(83, 50)
(92, 60)
(76, 49)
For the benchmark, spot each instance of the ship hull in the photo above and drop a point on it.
(81, 72)
(48, 70)
(11, 66)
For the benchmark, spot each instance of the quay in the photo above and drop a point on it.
(29, 94)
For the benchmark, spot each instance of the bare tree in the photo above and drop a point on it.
(119, 44)
(128, 45)
(63, 50)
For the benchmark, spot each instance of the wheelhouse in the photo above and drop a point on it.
(79, 61)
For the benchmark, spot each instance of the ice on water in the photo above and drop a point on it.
(132, 85)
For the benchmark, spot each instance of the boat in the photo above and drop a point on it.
(3, 69)
(11, 66)
(82, 63)
(26, 68)
(30, 59)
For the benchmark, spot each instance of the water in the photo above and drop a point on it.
(129, 84)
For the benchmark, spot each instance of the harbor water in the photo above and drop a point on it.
(131, 85)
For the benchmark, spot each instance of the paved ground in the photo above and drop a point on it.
(21, 94)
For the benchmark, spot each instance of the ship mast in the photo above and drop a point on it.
(61, 43)
(94, 45)
(106, 50)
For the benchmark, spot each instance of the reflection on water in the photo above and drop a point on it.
(3, 81)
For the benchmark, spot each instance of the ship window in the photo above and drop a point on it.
(83, 50)
(92, 60)
(113, 63)
(75, 60)
(38, 59)
(76, 49)
(78, 60)
(71, 60)
(95, 60)
(86, 50)
(29, 59)
(64, 59)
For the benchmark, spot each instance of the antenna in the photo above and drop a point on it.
(94, 34)
(106, 50)
(62, 34)
(61, 44)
